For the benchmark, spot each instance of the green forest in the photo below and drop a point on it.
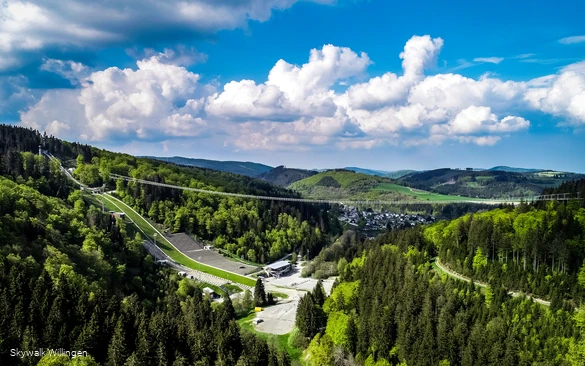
(538, 250)
(259, 231)
(72, 277)
(389, 307)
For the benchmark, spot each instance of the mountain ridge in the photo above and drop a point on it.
(247, 168)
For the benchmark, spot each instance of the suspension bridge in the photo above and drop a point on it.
(498, 201)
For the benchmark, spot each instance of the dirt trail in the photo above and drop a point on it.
(481, 284)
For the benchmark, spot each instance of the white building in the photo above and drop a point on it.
(278, 268)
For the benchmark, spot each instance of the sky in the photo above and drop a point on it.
(309, 84)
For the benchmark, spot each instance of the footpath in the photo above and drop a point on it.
(460, 277)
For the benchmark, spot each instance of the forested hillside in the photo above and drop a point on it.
(391, 308)
(258, 230)
(283, 176)
(246, 168)
(574, 188)
(72, 278)
(539, 251)
(487, 183)
(347, 184)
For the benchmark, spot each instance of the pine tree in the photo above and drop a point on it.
(319, 294)
(270, 299)
(229, 346)
(30, 342)
(88, 338)
(259, 293)
(306, 318)
(247, 301)
(117, 351)
(143, 342)
(352, 336)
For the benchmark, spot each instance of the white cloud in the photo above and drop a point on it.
(180, 56)
(116, 102)
(563, 96)
(420, 53)
(390, 89)
(33, 25)
(578, 67)
(572, 40)
(523, 55)
(474, 120)
(493, 60)
(70, 70)
(487, 140)
(297, 108)
(291, 91)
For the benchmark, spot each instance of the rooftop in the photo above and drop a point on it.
(278, 265)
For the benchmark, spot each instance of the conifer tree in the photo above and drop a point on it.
(259, 293)
(306, 318)
(319, 294)
(117, 350)
(352, 336)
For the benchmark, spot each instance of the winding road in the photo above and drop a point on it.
(460, 277)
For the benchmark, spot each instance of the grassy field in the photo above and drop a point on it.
(171, 251)
(235, 258)
(232, 289)
(356, 186)
(279, 341)
(344, 178)
(418, 194)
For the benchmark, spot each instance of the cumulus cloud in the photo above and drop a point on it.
(563, 96)
(291, 91)
(419, 54)
(475, 120)
(128, 102)
(70, 70)
(296, 108)
(33, 25)
(180, 56)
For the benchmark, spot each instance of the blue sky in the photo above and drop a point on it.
(373, 84)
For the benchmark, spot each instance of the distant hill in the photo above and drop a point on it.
(247, 168)
(283, 176)
(381, 173)
(503, 168)
(400, 173)
(347, 184)
(487, 183)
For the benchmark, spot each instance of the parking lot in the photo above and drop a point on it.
(278, 319)
(294, 280)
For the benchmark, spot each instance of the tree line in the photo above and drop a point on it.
(389, 307)
(74, 278)
(537, 250)
(260, 231)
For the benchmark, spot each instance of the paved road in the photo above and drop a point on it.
(481, 284)
(121, 205)
(278, 319)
